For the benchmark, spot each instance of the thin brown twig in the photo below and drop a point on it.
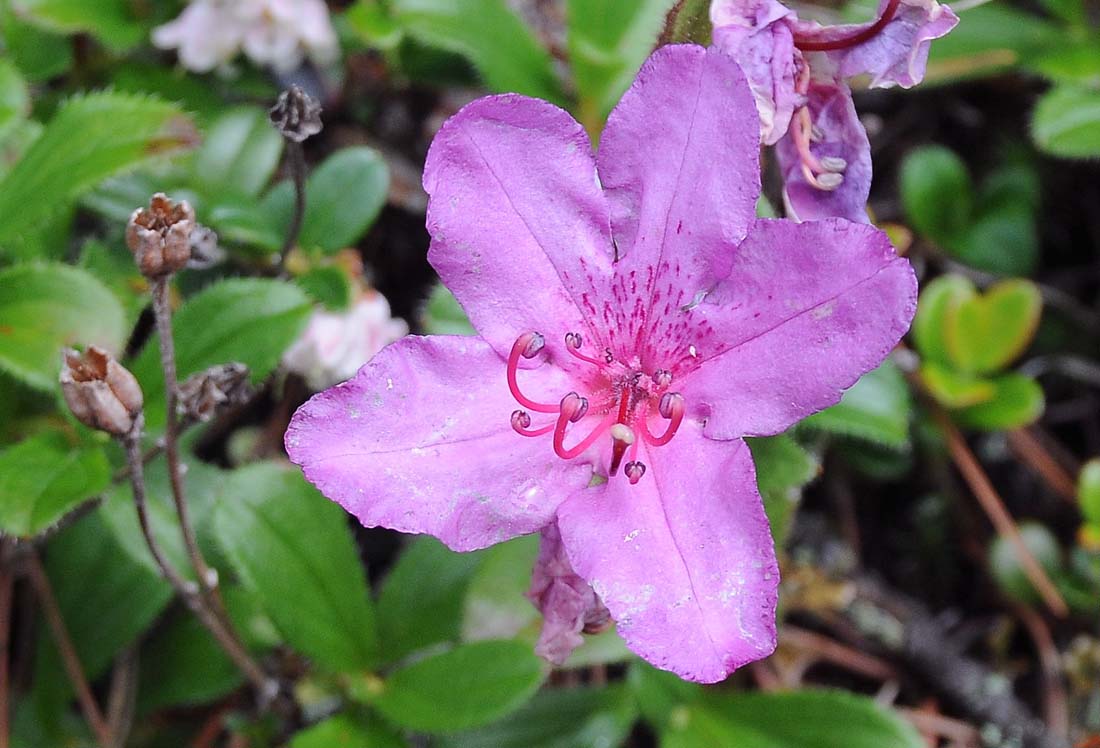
(7, 589)
(122, 697)
(1024, 445)
(956, 731)
(830, 650)
(994, 508)
(1056, 703)
(187, 590)
(52, 613)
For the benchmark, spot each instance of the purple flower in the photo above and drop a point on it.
(797, 71)
(635, 322)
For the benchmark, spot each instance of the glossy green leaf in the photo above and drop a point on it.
(442, 314)
(929, 323)
(347, 731)
(110, 21)
(1066, 122)
(608, 41)
(1004, 241)
(247, 320)
(989, 38)
(1018, 401)
(792, 719)
(660, 694)
(557, 718)
(469, 686)
(877, 408)
(986, 332)
(43, 478)
(1088, 491)
(44, 308)
(343, 197)
(39, 55)
(82, 146)
(294, 549)
(490, 35)
(15, 102)
(953, 389)
(247, 223)
(422, 597)
(937, 192)
(239, 154)
(1076, 61)
(495, 606)
(782, 469)
(1008, 572)
(328, 285)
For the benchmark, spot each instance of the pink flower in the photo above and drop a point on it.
(797, 72)
(635, 322)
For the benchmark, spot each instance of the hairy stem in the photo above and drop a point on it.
(52, 613)
(189, 592)
(297, 160)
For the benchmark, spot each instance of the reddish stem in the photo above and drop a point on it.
(808, 44)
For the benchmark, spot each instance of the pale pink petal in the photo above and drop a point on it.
(420, 441)
(758, 34)
(679, 163)
(684, 560)
(838, 134)
(519, 226)
(807, 309)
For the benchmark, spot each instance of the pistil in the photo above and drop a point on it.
(807, 42)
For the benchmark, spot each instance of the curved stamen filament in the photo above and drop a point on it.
(527, 345)
(521, 424)
(807, 43)
(573, 342)
(559, 435)
(672, 408)
(822, 176)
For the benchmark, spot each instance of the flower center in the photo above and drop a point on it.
(825, 173)
(623, 404)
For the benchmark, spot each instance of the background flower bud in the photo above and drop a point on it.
(99, 391)
(160, 236)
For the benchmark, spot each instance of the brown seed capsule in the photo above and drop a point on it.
(207, 392)
(100, 392)
(160, 236)
(296, 115)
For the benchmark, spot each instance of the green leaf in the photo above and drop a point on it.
(328, 285)
(953, 389)
(782, 469)
(557, 718)
(249, 223)
(15, 101)
(83, 145)
(421, 600)
(44, 308)
(660, 694)
(490, 35)
(108, 603)
(293, 547)
(1017, 401)
(38, 54)
(984, 333)
(1066, 122)
(110, 21)
(469, 686)
(343, 197)
(442, 314)
(346, 731)
(929, 324)
(1075, 62)
(1088, 491)
(937, 193)
(1008, 572)
(608, 41)
(990, 38)
(495, 606)
(239, 155)
(792, 719)
(877, 408)
(247, 320)
(43, 478)
(1004, 241)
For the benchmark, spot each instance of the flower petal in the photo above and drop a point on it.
(758, 34)
(684, 560)
(404, 445)
(807, 309)
(679, 163)
(518, 223)
(839, 134)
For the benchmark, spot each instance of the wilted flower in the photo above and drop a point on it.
(160, 236)
(336, 344)
(207, 392)
(100, 392)
(296, 115)
(275, 33)
(635, 322)
(797, 71)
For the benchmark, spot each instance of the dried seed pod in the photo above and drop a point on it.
(160, 236)
(207, 392)
(100, 391)
(296, 115)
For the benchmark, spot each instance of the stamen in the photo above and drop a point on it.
(662, 378)
(575, 404)
(559, 434)
(634, 472)
(528, 346)
(671, 407)
(833, 163)
(573, 342)
(807, 44)
(521, 423)
(822, 174)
